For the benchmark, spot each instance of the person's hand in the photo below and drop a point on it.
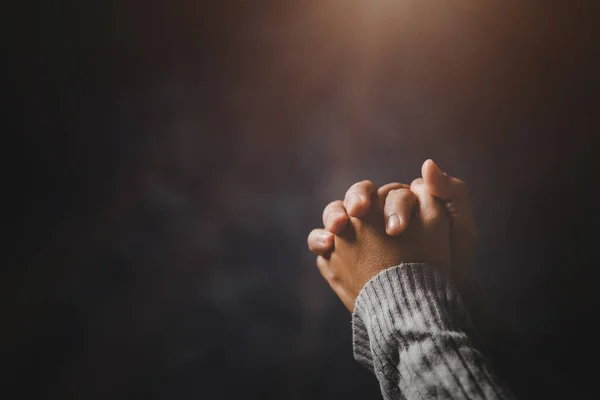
(363, 248)
(453, 193)
(398, 207)
(450, 191)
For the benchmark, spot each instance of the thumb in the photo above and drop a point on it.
(437, 181)
(452, 192)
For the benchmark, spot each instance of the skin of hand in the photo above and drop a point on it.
(364, 248)
(454, 195)
(398, 207)
(450, 191)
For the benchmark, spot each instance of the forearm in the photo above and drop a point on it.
(409, 328)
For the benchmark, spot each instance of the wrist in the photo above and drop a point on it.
(418, 294)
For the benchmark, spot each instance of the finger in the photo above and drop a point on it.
(452, 192)
(325, 269)
(383, 191)
(327, 273)
(320, 241)
(427, 203)
(454, 195)
(398, 207)
(335, 217)
(387, 188)
(417, 186)
(358, 198)
(438, 182)
(417, 181)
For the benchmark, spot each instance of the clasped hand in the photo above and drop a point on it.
(429, 221)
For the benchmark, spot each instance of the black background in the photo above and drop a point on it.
(166, 160)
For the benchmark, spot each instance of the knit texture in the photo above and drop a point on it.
(410, 328)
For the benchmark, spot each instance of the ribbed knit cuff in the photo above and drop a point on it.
(410, 329)
(410, 296)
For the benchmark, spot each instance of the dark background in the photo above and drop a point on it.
(166, 161)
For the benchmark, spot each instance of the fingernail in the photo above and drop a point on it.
(353, 200)
(393, 221)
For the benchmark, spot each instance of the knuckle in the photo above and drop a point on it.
(402, 195)
(389, 187)
(366, 183)
(416, 182)
(395, 192)
(395, 197)
(333, 278)
(399, 199)
(362, 186)
(336, 205)
(385, 189)
(333, 204)
(312, 241)
(334, 220)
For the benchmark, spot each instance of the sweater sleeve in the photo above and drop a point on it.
(409, 330)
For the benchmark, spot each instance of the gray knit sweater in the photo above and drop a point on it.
(411, 329)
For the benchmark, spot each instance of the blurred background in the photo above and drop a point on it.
(166, 161)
